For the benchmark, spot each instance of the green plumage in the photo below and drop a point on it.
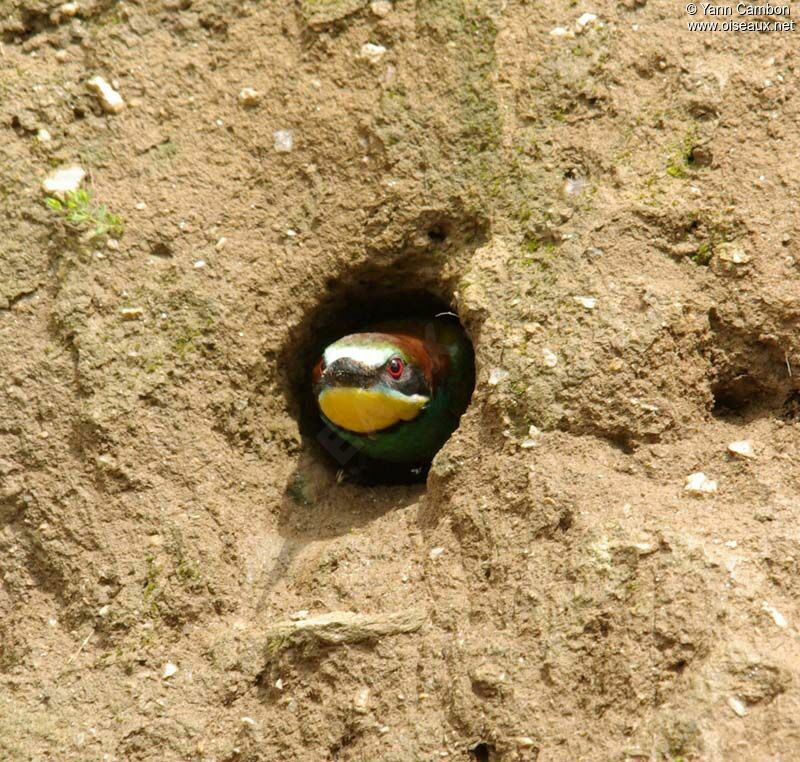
(417, 441)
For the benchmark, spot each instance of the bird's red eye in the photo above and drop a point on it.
(395, 367)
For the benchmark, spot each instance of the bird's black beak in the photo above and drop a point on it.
(341, 372)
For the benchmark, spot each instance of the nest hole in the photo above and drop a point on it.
(369, 295)
(742, 395)
(482, 752)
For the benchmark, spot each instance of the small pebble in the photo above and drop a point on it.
(372, 53)
(44, 136)
(296, 616)
(532, 439)
(699, 484)
(732, 253)
(496, 375)
(109, 98)
(199, 264)
(561, 31)
(589, 302)
(132, 313)
(249, 721)
(737, 706)
(361, 700)
(140, 206)
(68, 9)
(284, 140)
(435, 553)
(63, 180)
(220, 245)
(743, 449)
(279, 684)
(381, 8)
(585, 20)
(776, 615)
(549, 358)
(169, 670)
(249, 97)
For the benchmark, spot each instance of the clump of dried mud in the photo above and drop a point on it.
(612, 213)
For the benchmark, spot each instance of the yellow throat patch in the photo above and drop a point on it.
(366, 410)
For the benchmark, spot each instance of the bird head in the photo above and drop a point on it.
(367, 382)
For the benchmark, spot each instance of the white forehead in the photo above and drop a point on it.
(372, 357)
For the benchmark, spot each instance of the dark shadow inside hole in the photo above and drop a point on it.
(348, 309)
(791, 406)
(481, 752)
(736, 395)
(438, 233)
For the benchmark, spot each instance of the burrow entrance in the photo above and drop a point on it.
(754, 378)
(412, 284)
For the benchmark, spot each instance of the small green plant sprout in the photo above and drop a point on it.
(80, 211)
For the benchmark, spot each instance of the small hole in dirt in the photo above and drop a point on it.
(482, 752)
(161, 249)
(438, 234)
(735, 394)
(791, 407)
(408, 290)
(678, 667)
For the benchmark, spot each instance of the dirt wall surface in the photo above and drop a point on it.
(610, 204)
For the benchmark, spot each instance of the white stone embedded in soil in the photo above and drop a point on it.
(549, 358)
(732, 253)
(361, 700)
(199, 264)
(532, 439)
(435, 553)
(43, 135)
(699, 484)
(737, 706)
(743, 449)
(296, 616)
(170, 669)
(109, 98)
(585, 20)
(68, 9)
(64, 180)
(588, 302)
(372, 52)
(496, 375)
(279, 684)
(776, 615)
(249, 96)
(132, 313)
(284, 140)
(381, 8)
(560, 31)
